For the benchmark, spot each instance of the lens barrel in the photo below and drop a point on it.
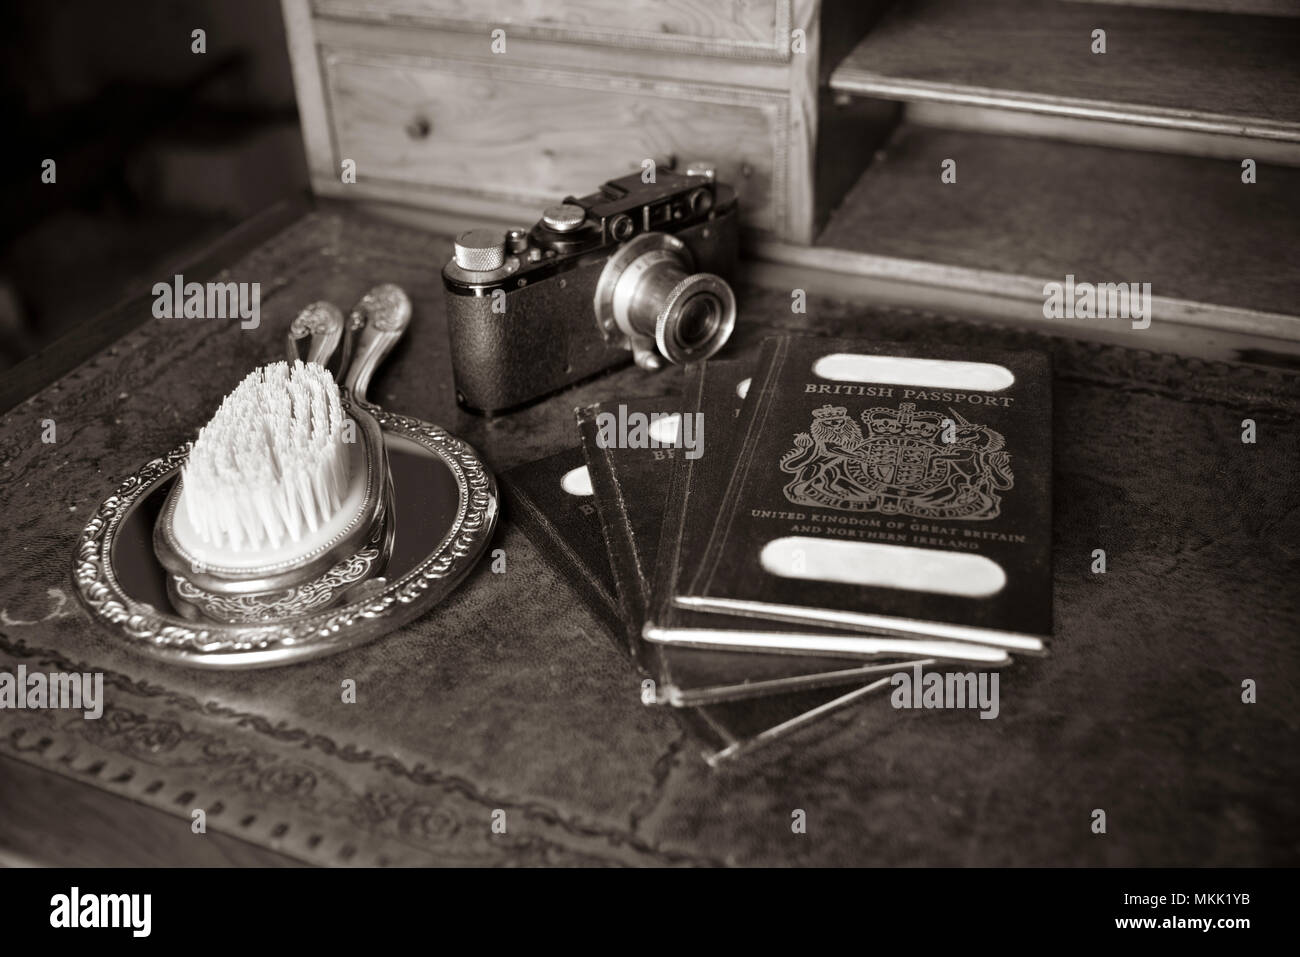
(650, 292)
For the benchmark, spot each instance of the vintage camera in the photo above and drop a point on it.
(633, 267)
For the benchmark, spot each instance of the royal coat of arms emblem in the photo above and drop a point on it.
(918, 464)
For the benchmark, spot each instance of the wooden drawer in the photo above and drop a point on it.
(758, 29)
(421, 128)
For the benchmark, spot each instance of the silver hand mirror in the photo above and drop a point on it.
(443, 511)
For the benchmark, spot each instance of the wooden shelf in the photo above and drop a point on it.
(1177, 69)
(1277, 8)
(1024, 207)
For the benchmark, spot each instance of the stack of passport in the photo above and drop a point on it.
(788, 534)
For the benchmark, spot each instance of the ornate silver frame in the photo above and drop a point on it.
(171, 638)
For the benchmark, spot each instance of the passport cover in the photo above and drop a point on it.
(631, 492)
(942, 466)
(694, 499)
(566, 529)
(717, 389)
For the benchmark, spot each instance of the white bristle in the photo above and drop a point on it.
(271, 466)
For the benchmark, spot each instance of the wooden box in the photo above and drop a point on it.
(493, 108)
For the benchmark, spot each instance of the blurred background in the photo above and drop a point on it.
(158, 149)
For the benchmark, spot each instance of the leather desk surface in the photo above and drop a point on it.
(511, 698)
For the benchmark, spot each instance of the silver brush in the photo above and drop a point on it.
(283, 504)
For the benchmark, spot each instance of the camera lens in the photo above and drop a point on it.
(696, 318)
(648, 292)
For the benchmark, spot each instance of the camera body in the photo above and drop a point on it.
(631, 271)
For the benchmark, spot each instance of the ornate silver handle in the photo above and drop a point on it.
(314, 333)
(380, 318)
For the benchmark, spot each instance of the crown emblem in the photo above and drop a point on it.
(903, 421)
(830, 412)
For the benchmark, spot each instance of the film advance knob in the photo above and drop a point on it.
(563, 217)
(480, 250)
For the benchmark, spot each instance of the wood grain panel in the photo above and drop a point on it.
(530, 136)
(551, 54)
(313, 112)
(1043, 209)
(1278, 8)
(919, 288)
(802, 129)
(1185, 70)
(747, 28)
(1127, 136)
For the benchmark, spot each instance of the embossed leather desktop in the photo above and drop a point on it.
(509, 697)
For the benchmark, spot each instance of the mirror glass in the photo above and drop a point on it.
(425, 502)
